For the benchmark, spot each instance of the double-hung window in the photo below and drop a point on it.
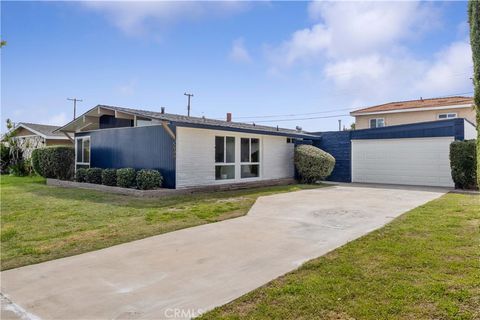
(249, 157)
(82, 150)
(224, 158)
(377, 123)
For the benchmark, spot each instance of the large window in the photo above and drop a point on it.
(249, 157)
(82, 150)
(377, 123)
(224, 154)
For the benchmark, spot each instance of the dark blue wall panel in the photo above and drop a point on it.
(338, 144)
(147, 147)
(442, 128)
(107, 122)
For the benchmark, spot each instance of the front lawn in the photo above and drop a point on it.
(423, 265)
(40, 222)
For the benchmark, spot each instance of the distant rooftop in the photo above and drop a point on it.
(42, 129)
(416, 104)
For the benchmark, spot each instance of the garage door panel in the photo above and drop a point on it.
(420, 161)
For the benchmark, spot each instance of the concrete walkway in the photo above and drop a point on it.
(180, 274)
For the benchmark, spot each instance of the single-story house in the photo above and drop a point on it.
(188, 151)
(414, 111)
(31, 136)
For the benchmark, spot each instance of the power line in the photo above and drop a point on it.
(75, 100)
(321, 112)
(300, 119)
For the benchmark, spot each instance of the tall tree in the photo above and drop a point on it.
(474, 20)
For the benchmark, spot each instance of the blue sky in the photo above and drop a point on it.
(296, 60)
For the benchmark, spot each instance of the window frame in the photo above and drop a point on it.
(250, 162)
(225, 163)
(83, 163)
(455, 115)
(376, 123)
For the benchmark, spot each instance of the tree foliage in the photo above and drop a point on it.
(474, 20)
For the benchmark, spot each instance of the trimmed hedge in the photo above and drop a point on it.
(81, 175)
(109, 177)
(313, 164)
(94, 175)
(149, 179)
(56, 162)
(463, 162)
(126, 177)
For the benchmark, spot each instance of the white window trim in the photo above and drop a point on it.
(376, 123)
(90, 146)
(225, 163)
(250, 157)
(447, 117)
(238, 162)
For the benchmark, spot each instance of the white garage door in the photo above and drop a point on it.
(418, 161)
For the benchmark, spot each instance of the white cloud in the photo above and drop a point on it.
(346, 29)
(136, 18)
(362, 51)
(450, 71)
(59, 119)
(239, 52)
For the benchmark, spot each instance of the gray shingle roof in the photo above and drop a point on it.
(204, 122)
(44, 129)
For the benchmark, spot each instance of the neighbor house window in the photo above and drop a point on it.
(377, 123)
(82, 150)
(224, 154)
(447, 115)
(249, 157)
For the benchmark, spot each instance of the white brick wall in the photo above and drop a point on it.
(416, 161)
(195, 157)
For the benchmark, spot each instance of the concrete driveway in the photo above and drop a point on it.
(180, 274)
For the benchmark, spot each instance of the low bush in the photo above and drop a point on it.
(463, 162)
(81, 175)
(109, 177)
(149, 179)
(94, 175)
(126, 178)
(313, 164)
(56, 162)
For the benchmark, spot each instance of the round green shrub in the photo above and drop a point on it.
(81, 175)
(313, 164)
(109, 177)
(126, 177)
(463, 162)
(57, 162)
(94, 175)
(149, 179)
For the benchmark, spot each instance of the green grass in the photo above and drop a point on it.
(423, 265)
(40, 222)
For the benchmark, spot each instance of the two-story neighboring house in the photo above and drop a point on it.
(414, 111)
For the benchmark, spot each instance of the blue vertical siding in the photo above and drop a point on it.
(147, 147)
(338, 144)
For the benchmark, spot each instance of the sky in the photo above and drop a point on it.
(290, 64)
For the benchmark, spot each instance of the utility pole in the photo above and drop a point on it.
(74, 106)
(189, 95)
(339, 125)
